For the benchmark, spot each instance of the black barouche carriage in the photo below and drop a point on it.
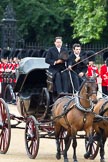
(34, 102)
(33, 97)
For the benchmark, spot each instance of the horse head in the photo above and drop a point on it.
(91, 88)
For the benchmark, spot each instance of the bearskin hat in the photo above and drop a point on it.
(105, 56)
(91, 55)
(5, 53)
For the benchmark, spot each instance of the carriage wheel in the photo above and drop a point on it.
(5, 127)
(8, 94)
(31, 137)
(62, 136)
(95, 147)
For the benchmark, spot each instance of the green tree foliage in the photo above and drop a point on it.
(88, 18)
(40, 20)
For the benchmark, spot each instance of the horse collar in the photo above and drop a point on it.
(80, 107)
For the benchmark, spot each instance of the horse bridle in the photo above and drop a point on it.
(93, 91)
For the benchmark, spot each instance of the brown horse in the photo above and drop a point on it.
(101, 125)
(75, 114)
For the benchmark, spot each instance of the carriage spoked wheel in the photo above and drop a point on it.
(95, 147)
(5, 127)
(7, 93)
(62, 137)
(32, 137)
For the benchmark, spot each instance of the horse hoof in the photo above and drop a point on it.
(102, 160)
(75, 160)
(58, 156)
(87, 155)
(66, 160)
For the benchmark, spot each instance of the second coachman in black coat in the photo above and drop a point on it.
(56, 57)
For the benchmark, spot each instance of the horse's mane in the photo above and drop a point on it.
(89, 79)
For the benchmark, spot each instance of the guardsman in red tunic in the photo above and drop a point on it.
(92, 70)
(15, 65)
(1, 71)
(104, 76)
(3, 74)
(1, 77)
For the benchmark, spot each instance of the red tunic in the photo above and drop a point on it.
(104, 74)
(1, 71)
(92, 70)
(14, 66)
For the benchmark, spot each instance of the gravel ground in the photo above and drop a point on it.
(47, 148)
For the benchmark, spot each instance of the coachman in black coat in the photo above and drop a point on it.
(57, 60)
(77, 63)
(80, 66)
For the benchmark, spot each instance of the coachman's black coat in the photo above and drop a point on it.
(52, 56)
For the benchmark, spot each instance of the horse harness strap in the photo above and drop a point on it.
(66, 110)
(67, 104)
(77, 104)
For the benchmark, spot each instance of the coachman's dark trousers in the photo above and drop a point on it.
(61, 82)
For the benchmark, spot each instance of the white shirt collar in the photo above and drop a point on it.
(59, 49)
(76, 55)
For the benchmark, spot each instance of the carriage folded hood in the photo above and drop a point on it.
(27, 66)
(29, 63)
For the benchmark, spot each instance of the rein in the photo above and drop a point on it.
(99, 52)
